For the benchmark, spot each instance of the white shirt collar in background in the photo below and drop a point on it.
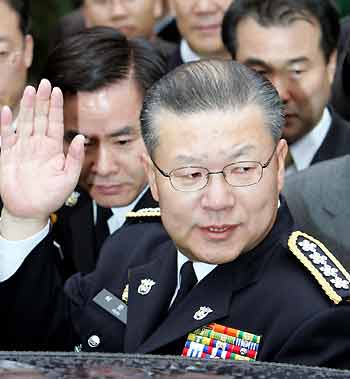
(304, 150)
(119, 213)
(187, 54)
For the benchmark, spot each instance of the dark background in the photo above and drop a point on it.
(45, 14)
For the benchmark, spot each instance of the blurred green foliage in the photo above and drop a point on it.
(45, 14)
(344, 7)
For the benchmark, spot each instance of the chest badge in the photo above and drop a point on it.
(202, 313)
(72, 199)
(145, 286)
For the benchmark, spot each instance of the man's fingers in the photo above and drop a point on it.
(42, 105)
(74, 158)
(25, 120)
(7, 133)
(55, 127)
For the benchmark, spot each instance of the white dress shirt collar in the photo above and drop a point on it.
(187, 54)
(119, 213)
(304, 150)
(201, 269)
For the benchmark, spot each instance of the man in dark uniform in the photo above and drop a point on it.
(294, 44)
(234, 281)
(103, 77)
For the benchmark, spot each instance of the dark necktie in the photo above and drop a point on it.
(101, 227)
(188, 281)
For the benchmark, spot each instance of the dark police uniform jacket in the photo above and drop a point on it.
(266, 291)
(75, 232)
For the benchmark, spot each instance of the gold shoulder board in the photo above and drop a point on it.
(144, 212)
(323, 265)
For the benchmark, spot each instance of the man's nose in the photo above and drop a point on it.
(104, 162)
(218, 194)
(204, 6)
(117, 8)
(283, 87)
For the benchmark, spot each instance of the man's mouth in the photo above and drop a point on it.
(218, 232)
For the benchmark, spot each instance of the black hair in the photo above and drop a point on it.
(100, 56)
(277, 12)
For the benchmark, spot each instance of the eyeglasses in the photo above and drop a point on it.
(238, 174)
(8, 58)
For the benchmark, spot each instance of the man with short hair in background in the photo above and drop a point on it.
(199, 23)
(103, 77)
(133, 18)
(293, 43)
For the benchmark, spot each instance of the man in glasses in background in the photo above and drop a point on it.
(16, 51)
(230, 269)
(293, 43)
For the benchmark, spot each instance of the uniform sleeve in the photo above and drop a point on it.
(13, 253)
(37, 315)
(323, 340)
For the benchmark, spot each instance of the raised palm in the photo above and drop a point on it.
(36, 176)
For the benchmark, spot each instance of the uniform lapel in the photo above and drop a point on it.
(217, 290)
(146, 311)
(214, 292)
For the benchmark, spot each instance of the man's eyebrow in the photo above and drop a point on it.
(259, 62)
(238, 151)
(127, 130)
(256, 62)
(298, 60)
(241, 150)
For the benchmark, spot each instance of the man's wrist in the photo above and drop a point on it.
(19, 228)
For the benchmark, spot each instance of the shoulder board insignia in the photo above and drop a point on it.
(144, 212)
(323, 265)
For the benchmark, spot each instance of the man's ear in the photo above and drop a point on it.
(281, 152)
(332, 65)
(151, 175)
(28, 50)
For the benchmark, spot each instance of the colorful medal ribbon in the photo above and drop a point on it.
(220, 342)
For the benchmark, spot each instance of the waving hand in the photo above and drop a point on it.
(36, 177)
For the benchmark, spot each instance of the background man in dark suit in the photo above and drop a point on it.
(318, 199)
(341, 87)
(232, 260)
(133, 18)
(103, 77)
(199, 23)
(294, 44)
(16, 51)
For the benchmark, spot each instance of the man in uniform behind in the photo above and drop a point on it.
(234, 269)
(103, 77)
